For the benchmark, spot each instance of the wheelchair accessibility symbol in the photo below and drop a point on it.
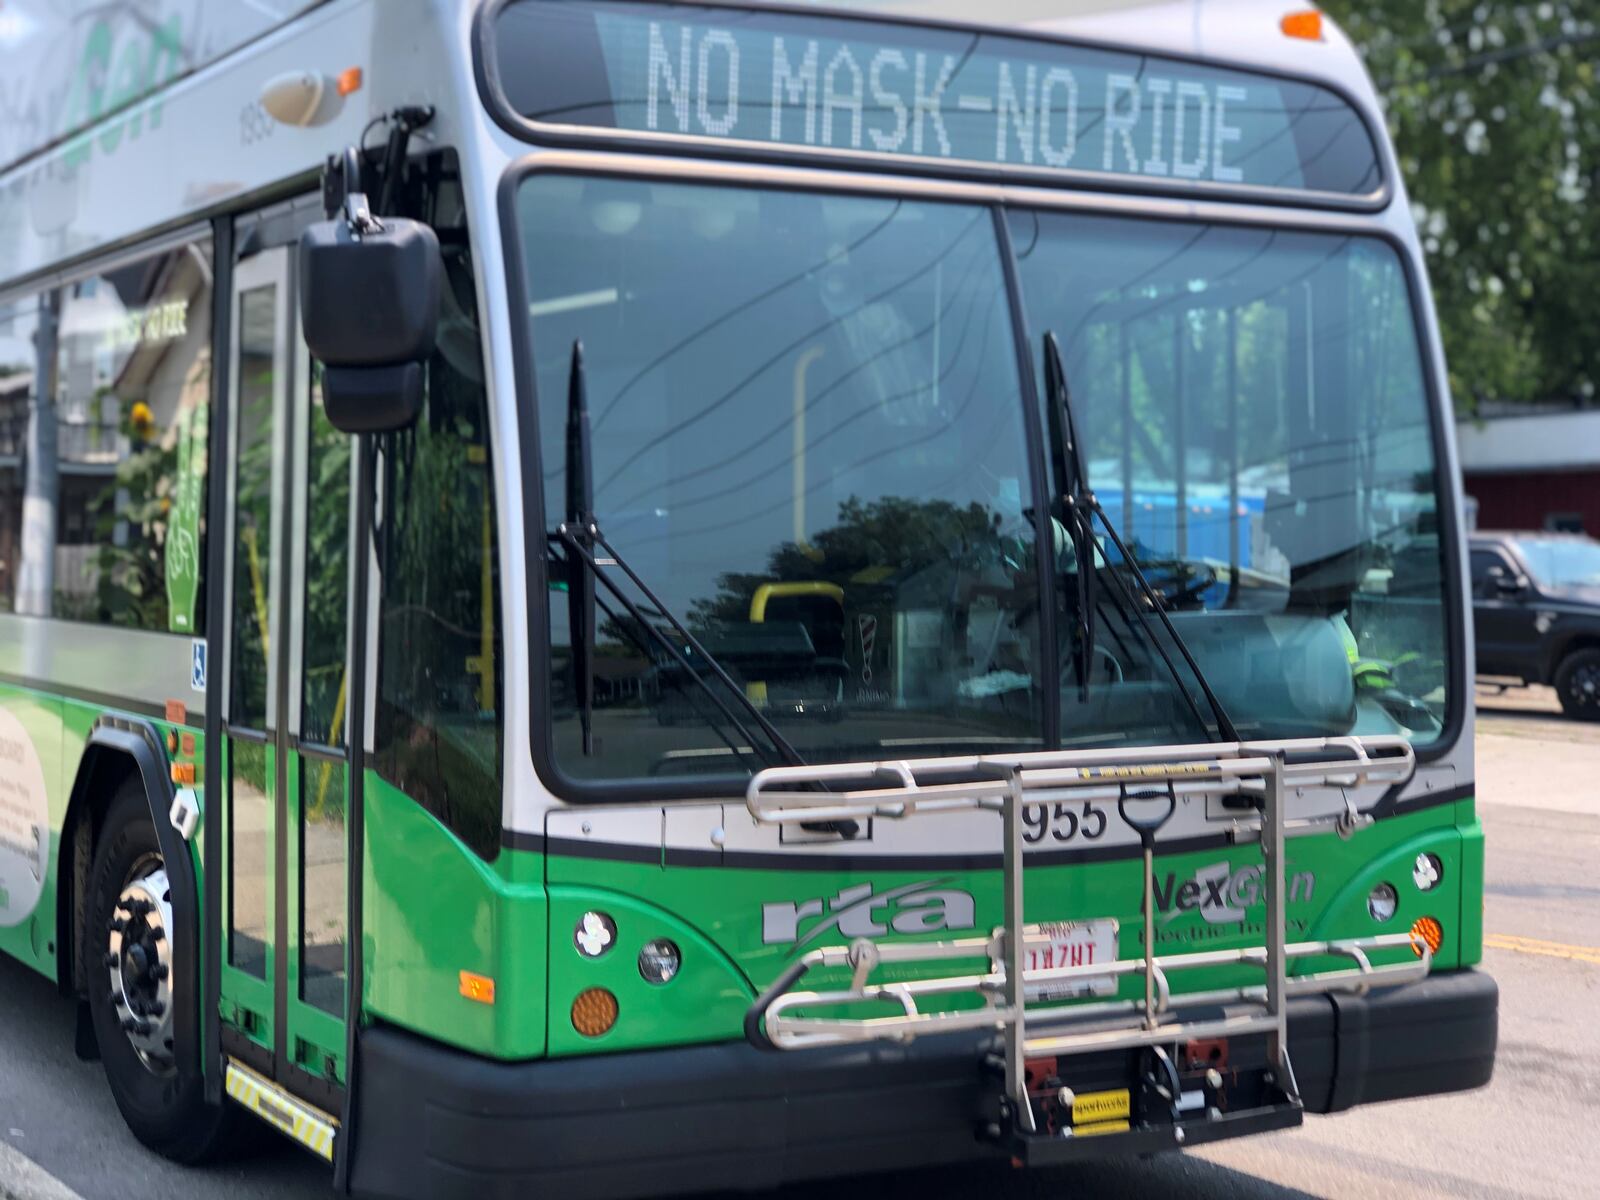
(197, 665)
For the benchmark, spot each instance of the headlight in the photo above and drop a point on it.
(1383, 902)
(595, 933)
(659, 961)
(1426, 872)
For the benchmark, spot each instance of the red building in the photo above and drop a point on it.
(1536, 469)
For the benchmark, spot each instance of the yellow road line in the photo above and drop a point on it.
(1533, 941)
(1523, 945)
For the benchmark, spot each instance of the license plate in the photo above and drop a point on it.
(1073, 944)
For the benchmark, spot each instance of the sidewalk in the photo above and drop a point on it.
(1531, 756)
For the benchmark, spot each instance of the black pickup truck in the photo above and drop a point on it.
(1536, 606)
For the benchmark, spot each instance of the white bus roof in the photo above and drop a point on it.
(194, 138)
(1248, 32)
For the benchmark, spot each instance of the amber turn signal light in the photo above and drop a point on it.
(594, 1012)
(1430, 931)
(477, 987)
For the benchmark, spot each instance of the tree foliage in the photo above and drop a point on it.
(872, 540)
(1494, 113)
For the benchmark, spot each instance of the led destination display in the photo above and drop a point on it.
(831, 84)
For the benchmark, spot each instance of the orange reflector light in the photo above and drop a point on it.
(1430, 931)
(349, 80)
(594, 1012)
(182, 772)
(477, 987)
(1307, 25)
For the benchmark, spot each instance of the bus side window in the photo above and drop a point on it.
(19, 322)
(438, 719)
(132, 407)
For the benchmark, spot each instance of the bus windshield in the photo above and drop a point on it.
(809, 439)
(1254, 415)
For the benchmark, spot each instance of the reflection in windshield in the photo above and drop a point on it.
(1562, 562)
(807, 438)
(1253, 411)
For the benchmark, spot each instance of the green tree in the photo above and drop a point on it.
(1494, 113)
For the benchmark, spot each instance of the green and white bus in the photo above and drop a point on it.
(618, 597)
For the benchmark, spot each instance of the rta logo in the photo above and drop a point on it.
(857, 911)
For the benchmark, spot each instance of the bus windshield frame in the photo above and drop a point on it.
(539, 439)
(487, 51)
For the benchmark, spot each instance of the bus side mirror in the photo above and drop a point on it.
(369, 304)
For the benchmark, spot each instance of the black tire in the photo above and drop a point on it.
(164, 1106)
(1577, 684)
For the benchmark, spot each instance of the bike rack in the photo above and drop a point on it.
(1262, 772)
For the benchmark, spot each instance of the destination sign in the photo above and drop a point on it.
(766, 78)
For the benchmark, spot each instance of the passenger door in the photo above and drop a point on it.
(284, 974)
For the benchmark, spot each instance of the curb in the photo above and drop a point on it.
(23, 1179)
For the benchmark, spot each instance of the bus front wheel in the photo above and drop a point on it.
(131, 975)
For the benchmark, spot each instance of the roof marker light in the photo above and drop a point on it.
(1306, 25)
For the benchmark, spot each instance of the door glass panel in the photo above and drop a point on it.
(252, 554)
(322, 884)
(250, 836)
(327, 575)
(251, 772)
(324, 692)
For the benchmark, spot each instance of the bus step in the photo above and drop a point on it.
(289, 1115)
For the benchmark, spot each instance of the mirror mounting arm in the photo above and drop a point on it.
(358, 217)
(342, 174)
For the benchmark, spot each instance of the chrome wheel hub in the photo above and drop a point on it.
(139, 962)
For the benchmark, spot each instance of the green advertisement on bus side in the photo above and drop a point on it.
(183, 529)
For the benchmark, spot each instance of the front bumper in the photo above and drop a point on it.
(433, 1122)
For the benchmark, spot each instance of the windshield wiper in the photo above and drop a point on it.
(580, 537)
(580, 521)
(1080, 507)
(1076, 514)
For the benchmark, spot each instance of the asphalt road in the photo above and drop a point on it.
(1531, 1133)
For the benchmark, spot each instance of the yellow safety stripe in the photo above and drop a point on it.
(311, 1127)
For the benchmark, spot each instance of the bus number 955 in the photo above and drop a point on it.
(1062, 822)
